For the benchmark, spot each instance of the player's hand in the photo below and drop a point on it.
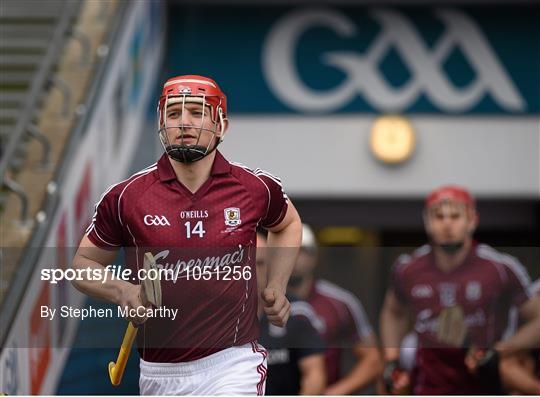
(396, 380)
(479, 360)
(133, 297)
(484, 363)
(276, 306)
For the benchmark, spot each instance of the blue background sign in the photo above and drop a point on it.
(320, 60)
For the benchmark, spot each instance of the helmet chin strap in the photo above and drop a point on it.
(185, 153)
(189, 153)
(452, 248)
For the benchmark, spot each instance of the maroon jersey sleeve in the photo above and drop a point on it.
(359, 327)
(277, 199)
(105, 229)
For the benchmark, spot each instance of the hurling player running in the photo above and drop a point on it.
(296, 351)
(345, 323)
(197, 213)
(458, 294)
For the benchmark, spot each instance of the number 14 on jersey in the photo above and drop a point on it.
(198, 229)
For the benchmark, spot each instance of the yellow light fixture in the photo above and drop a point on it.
(392, 139)
(346, 235)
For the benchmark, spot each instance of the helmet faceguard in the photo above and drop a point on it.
(184, 90)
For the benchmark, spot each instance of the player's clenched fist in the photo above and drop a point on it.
(276, 306)
(131, 299)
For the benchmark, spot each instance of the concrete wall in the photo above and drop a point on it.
(495, 157)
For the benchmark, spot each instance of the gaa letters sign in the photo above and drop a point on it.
(323, 60)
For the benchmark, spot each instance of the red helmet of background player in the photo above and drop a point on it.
(450, 193)
(192, 89)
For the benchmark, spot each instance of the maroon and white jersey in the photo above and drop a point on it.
(206, 239)
(344, 322)
(484, 288)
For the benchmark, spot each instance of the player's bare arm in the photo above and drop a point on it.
(119, 292)
(367, 369)
(517, 374)
(283, 242)
(528, 335)
(394, 325)
(313, 375)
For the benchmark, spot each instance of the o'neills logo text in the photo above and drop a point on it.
(180, 269)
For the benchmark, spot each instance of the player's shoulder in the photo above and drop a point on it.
(416, 259)
(334, 292)
(348, 302)
(137, 182)
(498, 259)
(303, 311)
(253, 176)
(489, 253)
(301, 308)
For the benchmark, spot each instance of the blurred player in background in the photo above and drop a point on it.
(208, 208)
(345, 323)
(296, 351)
(459, 294)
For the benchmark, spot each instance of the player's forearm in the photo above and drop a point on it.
(526, 337)
(313, 375)
(394, 326)
(515, 378)
(282, 252)
(96, 287)
(313, 383)
(366, 371)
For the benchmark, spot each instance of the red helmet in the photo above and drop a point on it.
(450, 193)
(193, 88)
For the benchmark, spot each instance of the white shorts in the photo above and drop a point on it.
(234, 371)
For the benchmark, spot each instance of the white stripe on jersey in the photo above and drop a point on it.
(260, 172)
(535, 287)
(252, 173)
(486, 252)
(355, 307)
(421, 251)
(405, 259)
(145, 170)
(242, 312)
(93, 227)
(306, 310)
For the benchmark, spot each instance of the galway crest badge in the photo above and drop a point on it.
(232, 216)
